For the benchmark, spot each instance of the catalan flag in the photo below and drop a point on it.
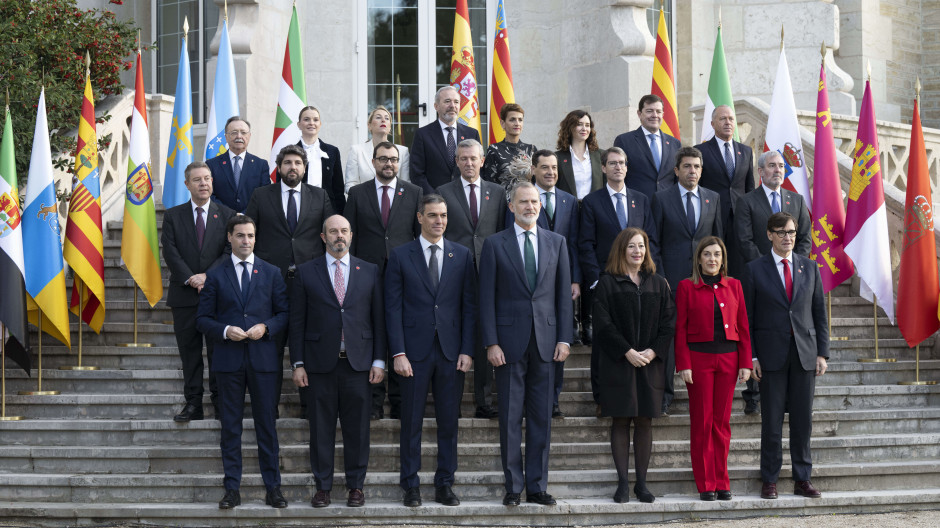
(42, 255)
(224, 102)
(139, 248)
(664, 82)
(180, 149)
(84, 246)
(292, 94)
(463, 69)
(501, 90)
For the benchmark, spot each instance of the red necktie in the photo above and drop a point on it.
(787, 279)
(474, 215)
(386, 205)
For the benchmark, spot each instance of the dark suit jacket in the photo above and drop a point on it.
(430, 167)
(255, 173)
(642, 175)
(492, 214)
(508, 309)
(372, 242)
(566, 173)
(599, 228)
(181, 251)
(318, 322)
(676, 244)
(333, 182)
(415, 311)
(220, 305)
(750, 222)
(772, 317)
(566, 222)
(273, 240)
(715, 177)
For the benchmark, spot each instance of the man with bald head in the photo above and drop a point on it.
(434, 150)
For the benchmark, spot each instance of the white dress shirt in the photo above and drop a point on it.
(613, 199)
(314, 165)
(476, 191)
(696, 201)
(583, 174)
(770, 199)
(331, 264)
(285, 195)
(238, 276)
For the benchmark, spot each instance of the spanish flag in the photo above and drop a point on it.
(463, 75)
(139, 248)
(664, 82)
(501, 91)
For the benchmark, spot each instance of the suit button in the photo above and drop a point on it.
(716, 286)
(435, 307)
(726, 326)
(722, 305)
(341, 310)
(245, 315)
(386, 238)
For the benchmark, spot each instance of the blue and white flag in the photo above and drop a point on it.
(224, 103)
(180, 151)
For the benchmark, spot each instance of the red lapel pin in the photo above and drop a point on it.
(256, 272)
(215, 216)
(706, 200)
(224, 163)
(399, 193)
(357, 267)
(788, 203)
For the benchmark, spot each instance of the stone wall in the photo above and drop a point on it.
(930, 78)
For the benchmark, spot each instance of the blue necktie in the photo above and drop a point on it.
(246, 280)
(621, 212)
(531, 272)
(774, 203)
(690, 212)
(729, 161)
(655, 150)
(237, 170)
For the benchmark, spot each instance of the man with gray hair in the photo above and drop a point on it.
(434, 149)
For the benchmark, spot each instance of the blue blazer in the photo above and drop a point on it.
(220, 305)
(415, 311)
(508, 309)
(255, 173)
(642, 175)
(318, 322)
(599, 227)
(566, 223)
(429, 165)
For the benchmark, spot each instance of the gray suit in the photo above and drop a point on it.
(750, 222)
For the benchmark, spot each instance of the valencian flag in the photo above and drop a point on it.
(224, 102)
(828, 213)
(501, 90)
(180, 150)
(719, 89)
(292, 95)
(463, 69)
(783, 133)
(42, 255)
(139, 248)
(866, 218)
(12, 283)
(918, 285)
(664, 82)
(84, 246)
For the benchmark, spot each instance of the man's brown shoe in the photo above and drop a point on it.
(321, 499)
(769, 490)
(355, 498)
(806, 489)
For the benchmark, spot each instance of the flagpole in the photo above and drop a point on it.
(39, 391)
(398, 106)
(876, 359)
(917, 380)
(81, 309)
(135, 343)
(3, 376)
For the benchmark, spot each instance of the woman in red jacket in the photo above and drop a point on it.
(713, 349)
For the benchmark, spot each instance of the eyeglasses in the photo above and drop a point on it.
(237, 133)
(616, 163)
(385, 159)
(785, 234)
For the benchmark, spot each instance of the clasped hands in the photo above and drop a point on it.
(640, 359)
(254, 333)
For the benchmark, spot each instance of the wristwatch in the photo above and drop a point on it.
(296, 366)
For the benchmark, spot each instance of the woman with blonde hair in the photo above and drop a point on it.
(359, 166)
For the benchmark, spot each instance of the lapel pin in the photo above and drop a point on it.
(788, 203)
(215, 216)
(357, 267)
(399, 193)
(255, 272)
(224, 163)
(487, 197)
(450, 255)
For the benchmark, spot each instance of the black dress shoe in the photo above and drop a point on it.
(806, 489)
(487, 411)
(445, 495)
(707, 496)
(768, 490)
(724, 494)
(231, 499)
(643, 494)
(586, 332)
(189, 412)
(412, 497)
(321, 499)
(556, 412)
(355, 499)
(622, 495)
(541, 497)
(511, 499)
(751, 408)
(274, 498)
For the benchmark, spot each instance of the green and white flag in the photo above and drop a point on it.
(291, 97)
(719, 89)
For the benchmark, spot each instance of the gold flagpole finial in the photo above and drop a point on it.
(822, 51)
(781, 37)
(138, 40)
(8, 99)
(87, 63)
(869, 70)
(185, 27)
(225, 16)
(917, 88)
(719, 17)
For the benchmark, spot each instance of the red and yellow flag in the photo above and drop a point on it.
(664, 82)
(83, 248)
(501, 91)
(463, 69)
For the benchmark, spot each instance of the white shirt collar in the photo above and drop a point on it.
(683, 191)
(574, 156)
(612, 192)
(721, 145)
(330, 260)
(392, 184)
(250, 259)
(445, 125)
(778, 258)
(205, 207)
(314, 149)
(467, 184)
(519, 229)
(232, 156)
(285, 188)
(646, 133)
(425, 244)
(768, 190)
(542, 190)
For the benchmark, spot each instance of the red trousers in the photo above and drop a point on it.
(710, 396)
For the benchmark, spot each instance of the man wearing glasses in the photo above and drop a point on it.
(236, 173)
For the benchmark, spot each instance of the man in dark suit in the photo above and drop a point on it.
(684, 214)
(786, 309)
(525, 291)
(194, 240)
(338, 347)
(750, 227)
(559, 214)
(383, 214)
(289, 216)
(650, 151)
(477, 210)
(430, 314)
(236, 173)
(243, 307)
(434, 148)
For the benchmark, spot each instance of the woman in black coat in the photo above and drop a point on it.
(634, 320)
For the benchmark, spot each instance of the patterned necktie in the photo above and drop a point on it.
(549, 204)
(339, 287)
(690, 212)
(621, 212)
(531, 273)
(237, 169)
(386, 205)
(474, 214)
(291, 211)
(787, 280)
(654, 148)
(451, 147)
(246, 280)
(200, 227)
(774, 203)
(434, 267)
(729, 161)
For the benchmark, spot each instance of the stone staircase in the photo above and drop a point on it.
(106, 449)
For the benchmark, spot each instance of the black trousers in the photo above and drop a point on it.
(189, 341)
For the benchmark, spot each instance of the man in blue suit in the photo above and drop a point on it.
(650, 151)
(243, 307)
(337, 348)
(525, 307)
(430, 314)
(236, 173)
(434, 149)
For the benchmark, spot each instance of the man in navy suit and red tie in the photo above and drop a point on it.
(434, 149)
(236, 173)
(243, 307)
(650, 151)
(430, 314)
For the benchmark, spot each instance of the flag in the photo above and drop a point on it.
(783, 133)
(719, 89)
(918, 283)
(866, 219)
(180, 150)
(84, 245)
(664, 82)
(829, 215)
(224, 103)
(463, 69)
(139, 248)
(292, 96)
(12, 283)
(42, 255)
(501, 90)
